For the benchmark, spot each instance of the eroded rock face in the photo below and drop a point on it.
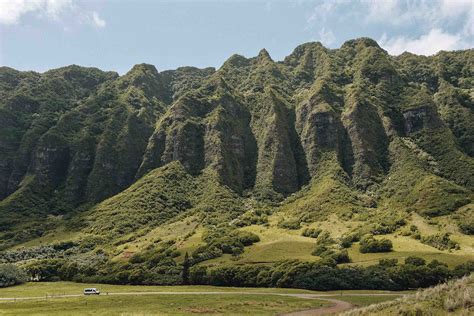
(369, 143)
(276, 166)
(186, 144)
(321, 130)
(230, 146)
(80, 166)
(421, 118)
(51, 160)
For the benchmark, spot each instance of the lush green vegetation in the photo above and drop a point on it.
(335, 158)
(325, 275)
(11, 275)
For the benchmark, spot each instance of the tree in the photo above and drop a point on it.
(11, 275)
(186, 265)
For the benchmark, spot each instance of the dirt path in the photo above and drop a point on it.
(338, 306)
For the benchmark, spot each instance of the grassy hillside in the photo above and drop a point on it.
(454, 298)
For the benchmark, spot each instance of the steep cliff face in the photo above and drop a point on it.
(344, 128)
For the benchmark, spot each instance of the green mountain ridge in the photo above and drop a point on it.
(352, 141)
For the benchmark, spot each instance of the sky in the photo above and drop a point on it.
(116, 34)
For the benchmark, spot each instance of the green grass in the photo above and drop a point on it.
(33, 289)
(454, 298)
(256, 301)
(61, 288)
(161, 305)
(275, 244)
(279, 244)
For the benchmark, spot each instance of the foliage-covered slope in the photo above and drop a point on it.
(352, 141)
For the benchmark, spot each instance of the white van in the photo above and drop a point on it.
(91, 291)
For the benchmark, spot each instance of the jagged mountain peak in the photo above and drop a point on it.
(264, 56)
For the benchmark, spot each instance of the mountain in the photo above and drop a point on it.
(254, 162)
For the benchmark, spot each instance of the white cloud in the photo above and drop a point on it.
(323, 10)
(97, 20)
(326, 36)
(450, 8)
(12, 12)
(380, 10)
(430, 13)
(427, 44)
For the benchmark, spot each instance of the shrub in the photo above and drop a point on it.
(340, 256)
(348, 239)
(220, 241)
(247, 238)
(311, 232)
(323, 244)
(467, 227)
(369, 244)
(388, 262)
(416, 261)
(292, 224)
(440, 241)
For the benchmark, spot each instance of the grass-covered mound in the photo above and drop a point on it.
(454, 297)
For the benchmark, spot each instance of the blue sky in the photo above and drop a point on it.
(114, 35)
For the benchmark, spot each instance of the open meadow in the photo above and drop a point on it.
(65, 298)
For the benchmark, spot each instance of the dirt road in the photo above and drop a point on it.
(337, 307)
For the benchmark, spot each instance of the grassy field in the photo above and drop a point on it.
(70, 288)
(62, 288)
(255, 301)
(161, 305)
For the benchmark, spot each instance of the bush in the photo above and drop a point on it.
(311, 232)
(388, 262)
(416, 261)
(340, 256)
(467, 227)
(348, 239)
(247, 238)
(11, 275)
(440, 241)
(324, 244)
(292, 224)
(369, 244)
(221, 241)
